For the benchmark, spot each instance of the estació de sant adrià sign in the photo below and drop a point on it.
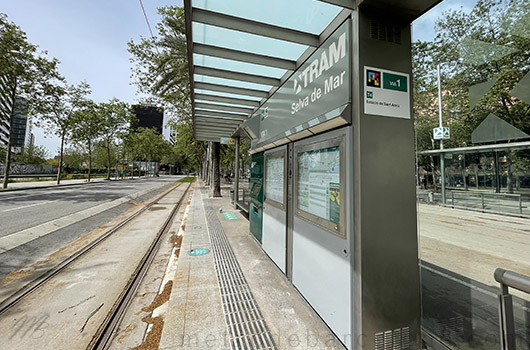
(320, 85)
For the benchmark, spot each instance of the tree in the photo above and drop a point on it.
(75, 157)
(116, 116)
(32, 154)
(62, 103)
(161, 71)
(24, 74)
(490, 44)
(147, 145)
(87, 122)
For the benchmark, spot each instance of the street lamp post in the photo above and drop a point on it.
(442, 156)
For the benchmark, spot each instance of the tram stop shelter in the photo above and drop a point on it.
(323, 91)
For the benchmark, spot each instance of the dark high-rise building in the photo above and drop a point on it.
(5, 106)
(148, 117)
(20, 121)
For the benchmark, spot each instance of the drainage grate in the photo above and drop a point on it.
(246, 327)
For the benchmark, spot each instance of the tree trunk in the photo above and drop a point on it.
(59, 168)
(7, 164)
(433, 170)
(108, 160)
(216, 177)
(89, 159)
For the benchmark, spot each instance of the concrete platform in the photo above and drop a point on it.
(234, 295)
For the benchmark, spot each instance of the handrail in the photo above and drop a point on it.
(513, 280)
(484, 194)
(488, 193)
(507, 323)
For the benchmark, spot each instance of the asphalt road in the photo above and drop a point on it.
(27, 208)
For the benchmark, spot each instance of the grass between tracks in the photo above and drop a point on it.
(188, 179)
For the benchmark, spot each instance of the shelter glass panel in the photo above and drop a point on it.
(231, 39)
(474, 196)
(230, 82)
(315, 18)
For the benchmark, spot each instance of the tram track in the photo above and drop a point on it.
(36, 283)
(101, 339)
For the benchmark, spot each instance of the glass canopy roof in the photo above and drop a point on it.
(241, 51)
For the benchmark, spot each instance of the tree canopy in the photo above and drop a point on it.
(484, 56)
(161, 71)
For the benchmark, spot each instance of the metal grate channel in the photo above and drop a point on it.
(246, 327)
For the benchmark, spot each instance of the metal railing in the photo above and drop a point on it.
(509, 279)
(483, 200)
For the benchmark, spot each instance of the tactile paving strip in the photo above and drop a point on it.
(246, 327)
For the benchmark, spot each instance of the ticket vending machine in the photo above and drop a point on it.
(256, 196)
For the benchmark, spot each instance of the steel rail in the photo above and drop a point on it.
(39, 281)
(103, 337)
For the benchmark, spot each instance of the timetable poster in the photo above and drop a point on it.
(319, 183)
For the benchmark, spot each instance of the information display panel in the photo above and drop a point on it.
(275, 177)
(318, 185)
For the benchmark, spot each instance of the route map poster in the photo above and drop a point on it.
(274, 178)
(319, 183)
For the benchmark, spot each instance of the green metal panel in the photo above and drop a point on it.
(494, 129)
(256, 195)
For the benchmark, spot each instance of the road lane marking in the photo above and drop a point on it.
(15, 239)
(28, 206)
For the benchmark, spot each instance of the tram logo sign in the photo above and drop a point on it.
(387, 93)
(264, 113)
(441, 133)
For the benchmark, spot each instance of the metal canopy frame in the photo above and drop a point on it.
(231, 83)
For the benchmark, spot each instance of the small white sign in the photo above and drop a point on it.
(228, 141)
(386, 93)
(441, 133)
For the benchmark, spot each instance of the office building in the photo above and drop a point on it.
(148, 117)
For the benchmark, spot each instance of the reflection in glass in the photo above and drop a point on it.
(483, 49)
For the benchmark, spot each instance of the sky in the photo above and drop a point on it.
(90, 38)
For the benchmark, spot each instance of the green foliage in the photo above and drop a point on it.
(147, 145)
(188, 179)
(491, 43)
(161, 71)
(32, 155)
(25, 75)
(75, 157)
(114, 118)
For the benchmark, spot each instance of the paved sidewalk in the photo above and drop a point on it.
(234, 296)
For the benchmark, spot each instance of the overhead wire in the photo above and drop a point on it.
(148, 24)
